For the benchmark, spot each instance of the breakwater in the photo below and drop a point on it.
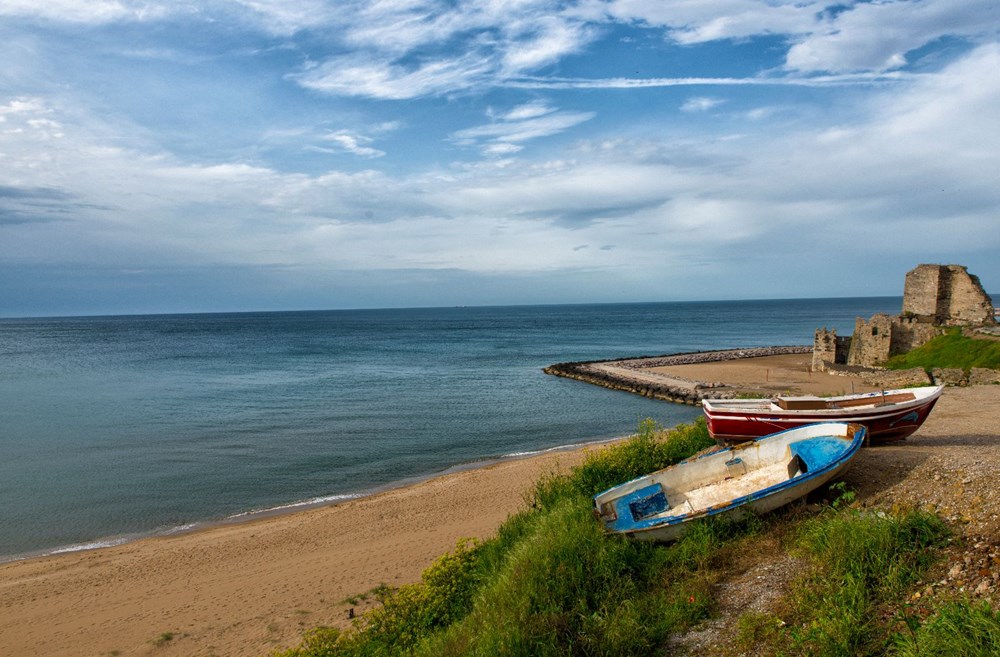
(634, 375)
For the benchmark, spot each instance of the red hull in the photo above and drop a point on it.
(884, 424)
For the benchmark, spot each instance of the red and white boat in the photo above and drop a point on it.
(888, 415)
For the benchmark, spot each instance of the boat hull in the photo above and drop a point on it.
(672, 532)
(731, 422)
(758, 476)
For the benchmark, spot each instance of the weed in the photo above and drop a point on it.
(843, 497)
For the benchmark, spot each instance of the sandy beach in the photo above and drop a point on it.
(249, 588)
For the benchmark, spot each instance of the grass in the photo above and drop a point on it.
(854, 598)
(552, 583)
(958, 628)
(951, 350)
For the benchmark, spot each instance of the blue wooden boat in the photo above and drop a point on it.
(761, 474)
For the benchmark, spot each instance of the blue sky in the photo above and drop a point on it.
(223, 155)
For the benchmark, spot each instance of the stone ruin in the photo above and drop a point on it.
(934, 297)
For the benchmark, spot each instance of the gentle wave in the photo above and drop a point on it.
(92, 545)
(316, 501)
(560, 448)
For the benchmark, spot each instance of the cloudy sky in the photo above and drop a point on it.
(203, 155)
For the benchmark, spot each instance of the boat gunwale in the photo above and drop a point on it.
(860, 433)
(756, 407)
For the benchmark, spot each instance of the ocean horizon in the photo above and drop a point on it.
(120, 427)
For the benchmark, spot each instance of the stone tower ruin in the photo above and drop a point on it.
(934, 296)
(946, 295)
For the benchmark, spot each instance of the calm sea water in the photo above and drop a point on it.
(116, 427)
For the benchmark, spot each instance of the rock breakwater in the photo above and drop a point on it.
(634, 374)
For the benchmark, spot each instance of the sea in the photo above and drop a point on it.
(116, 428)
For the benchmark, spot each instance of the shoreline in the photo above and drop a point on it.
(251, 587)
(289, 508)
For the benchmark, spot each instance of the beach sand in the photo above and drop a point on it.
(252, 587)
(249, 588)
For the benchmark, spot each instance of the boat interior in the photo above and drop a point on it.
(720, 479)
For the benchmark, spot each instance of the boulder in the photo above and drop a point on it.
(915, 376)
(949, 376)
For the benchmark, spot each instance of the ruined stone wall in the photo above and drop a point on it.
(934, 296)
(920, 291)
(967, 301)
(824, 349)
(828, 349)
(947, 295)
(908, 333)
(872, 340)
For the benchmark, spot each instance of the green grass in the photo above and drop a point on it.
(861, 568)
(958, 628)
(951, 350)
(552, 583)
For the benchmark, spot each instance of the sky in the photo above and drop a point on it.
(235, 155)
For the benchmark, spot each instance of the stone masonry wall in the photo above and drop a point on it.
(934, 296)
(968, 303)
(920, 291)
(947, 295)
(829, 348)
(908, 333)
(824, 349)
(872, 340)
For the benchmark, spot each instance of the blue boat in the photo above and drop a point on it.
(761, 475)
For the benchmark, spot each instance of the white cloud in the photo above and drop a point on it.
(700, 104)
(699, 21)
(528, 111)
(825, 36)
(411, 49)
(840, 79)
(357, 144)
(543, 40)
(414, 48)
(916, 159)
(860, 38)
(521, 124)
(501, 148)
(359, 75)
(83, 11)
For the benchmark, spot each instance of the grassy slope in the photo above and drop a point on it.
(951, 350)
(551, 583)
